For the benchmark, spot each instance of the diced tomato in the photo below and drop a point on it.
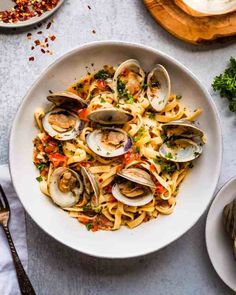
(108, 188)
(95, 227)
(125, 72)
(85, 164)
(84, 219)
(129, 157)
(101, 84)
(40, 147)
(58, 159)
(44, 172)
(51, 147)
(111, 199)
(83, 115)
(152, 168)
(160, 188)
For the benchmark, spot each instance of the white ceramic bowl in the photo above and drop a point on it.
(219, 245)
(8, 4)
(194, 196)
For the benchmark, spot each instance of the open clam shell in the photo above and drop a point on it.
(182, 128)
(159, 88)
(62, 124)
(180, 150)
(137, 175)
(137, 201)
(109, 142)
(65, 187)
(128, 79)
(110, 116)
(90, 184)
(67, 99)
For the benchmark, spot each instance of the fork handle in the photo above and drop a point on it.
(23, 280)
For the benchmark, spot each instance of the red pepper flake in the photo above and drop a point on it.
(42, 50)
(32, 48)
(48, 25)
(31, 58)
(52, 38)
(46, 40)
(93, 31)
(37, 42)
(39, 33)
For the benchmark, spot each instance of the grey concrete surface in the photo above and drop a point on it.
(181, 268)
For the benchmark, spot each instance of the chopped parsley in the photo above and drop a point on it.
(102, 74)
(169, 156)
(226, 84)
(168, 167)
(39, 178)
(41, 166)
(190, 165)
(145, 86)
(139, 134)
(89, 226)
(102, 100)
(60, 148)
(151, 115)
(130, 99)
(78, 87)
(123, 92)
(87, 207)
(178, 96)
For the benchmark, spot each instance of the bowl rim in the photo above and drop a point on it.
(135, 45)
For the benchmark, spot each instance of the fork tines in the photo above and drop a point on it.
(3, 200)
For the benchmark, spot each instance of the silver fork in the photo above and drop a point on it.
(24, 282)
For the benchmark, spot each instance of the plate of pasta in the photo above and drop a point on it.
(121, 148)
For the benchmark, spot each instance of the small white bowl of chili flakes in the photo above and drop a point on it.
(22, 13)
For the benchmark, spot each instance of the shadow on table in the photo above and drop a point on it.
(181, 268)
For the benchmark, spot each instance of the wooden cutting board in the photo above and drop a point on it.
(191, 29)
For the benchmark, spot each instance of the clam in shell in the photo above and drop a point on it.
(110, 116)
(65, 187)
(62, 124)
(135, 187)
(182, 128)
(180, 150)
(109, 142)
(128, 80)
(158, 88)
(66, 99)
(90, 184)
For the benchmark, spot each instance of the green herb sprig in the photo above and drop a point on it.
(226, 84)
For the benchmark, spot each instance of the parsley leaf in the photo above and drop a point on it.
(169, 156)
(226, 84)
(87, 207)
(102, 74)
(41, 166)
(89, 226)
(39, 178)
(168, 167)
